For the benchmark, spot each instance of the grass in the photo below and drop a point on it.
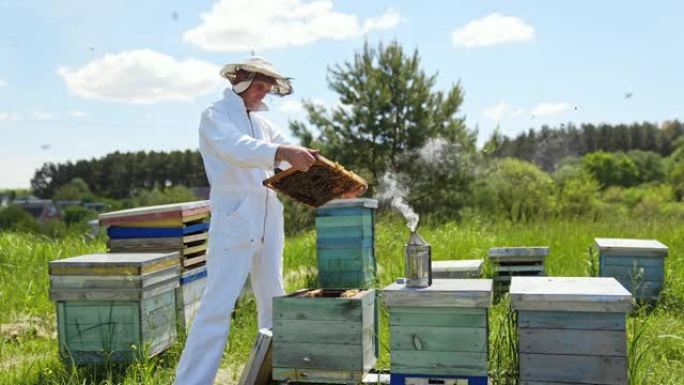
(655, 335)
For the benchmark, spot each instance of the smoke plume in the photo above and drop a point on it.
(390, 190)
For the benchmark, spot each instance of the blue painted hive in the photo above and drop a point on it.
(345, 243)
(638, 264)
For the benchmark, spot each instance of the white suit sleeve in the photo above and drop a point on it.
(226, 142)
(276, 137)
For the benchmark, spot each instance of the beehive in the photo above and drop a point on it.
(517, 261)
(464, 268)
(189, 295)
(638, 264)
(345, 243)
(114, 307)
(439, 332)
(571, 330)
(324, 336)
(181, 227)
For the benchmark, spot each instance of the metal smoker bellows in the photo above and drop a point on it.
(418, 262)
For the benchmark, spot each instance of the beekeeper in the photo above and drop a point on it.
(240, 149)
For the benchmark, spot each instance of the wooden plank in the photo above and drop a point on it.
(156, 221)
(112, 335)
(191, 291)
(630, 247)
(569, 293)
(440, 363)
(113, 281)
(438, 317)
(629, 261)
(258, 368)
(112, 294)
(194, 260)
(342, 211)
(357, 253)
(571, 368)
(518, 253)
(367, 203)
(317, 356)
(195, 248)
(162, 300)
(344, 221)
(316, 309)
(573, 341)
(344, 243)
(80, 313)
(317, 376)
(571, 320)
(113, 264)
(172, 209)
(465, 268)
(443, 339)
(155, 232)
(343, 333)
(442, 292)
(345, 265)
(344, 232)
(620, 272)
(519, 268)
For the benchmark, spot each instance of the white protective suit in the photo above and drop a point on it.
(246, 232)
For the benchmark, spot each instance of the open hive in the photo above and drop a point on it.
(510, 262)
(638, 264)
(323, 182)
(324, 336)
(571, 330)
(345, 243)
(438, 334)
(114, 307)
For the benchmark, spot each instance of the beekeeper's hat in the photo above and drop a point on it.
(260, 68)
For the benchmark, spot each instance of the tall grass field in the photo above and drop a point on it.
(28, 344)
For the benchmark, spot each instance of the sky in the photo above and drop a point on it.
(80, 79)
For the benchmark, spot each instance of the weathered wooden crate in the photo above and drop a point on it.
(189, 295)
(511, 262)
(571, 330)
(638, 264)
(464, 268)
(440, 331)
(345, 243)
(170, 215)
(327, 338)
(114, 307)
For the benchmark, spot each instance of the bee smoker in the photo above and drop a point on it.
(418, 255)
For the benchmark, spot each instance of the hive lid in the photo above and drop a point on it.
(631, 247)
(148, 213)
(592, 294)
(460, 265)
(442, 293)
(517, 253)
(323, 182)
(352, 202)
(114, 264)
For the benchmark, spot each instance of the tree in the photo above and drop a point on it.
(611, 169)
(76, 190)
(388, 109)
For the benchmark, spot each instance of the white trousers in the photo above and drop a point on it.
(227, 271)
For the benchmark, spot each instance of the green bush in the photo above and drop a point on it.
(577, 191)
(611, 169)
(73, 215)
(17, 219)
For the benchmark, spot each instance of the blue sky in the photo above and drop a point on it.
(82, 78)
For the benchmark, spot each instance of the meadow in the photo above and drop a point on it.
(28, 345)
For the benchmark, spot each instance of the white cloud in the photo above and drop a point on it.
(2, 83)
(492, 29)
(290, 106)
(39, 114)
(77, 114)
(141, 76)
(244, 25)
(503, 110)
(9, 116)
(546, 109)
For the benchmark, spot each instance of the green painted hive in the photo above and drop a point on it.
(114, 307)
(324, 336)
(440, 330)
(638, 264)
(571, 330)
(345, 243)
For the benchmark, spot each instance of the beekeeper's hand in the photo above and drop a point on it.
(301, 158)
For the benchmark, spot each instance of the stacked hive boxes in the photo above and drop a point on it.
(516, 261)
(181, 227)
(345, 243)
(638, 264)
(465, 268)
(571, 330)
(324, 336)
(438, 334)
(114, 307)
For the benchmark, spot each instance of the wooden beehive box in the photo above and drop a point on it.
(440, 331)
(181, 227)
(189, 295)
(324, 181)
(463, 268)
(114, 307)
(511, 262)
(638, 264)
(571, 330)
(345, 243)
(322, 336)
